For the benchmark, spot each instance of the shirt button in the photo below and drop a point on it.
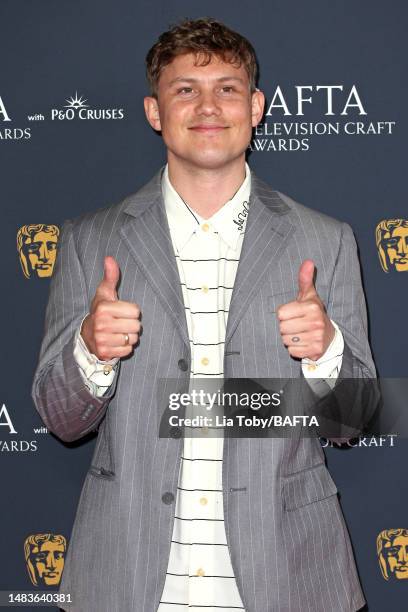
(204, 289)
(205, 361)
(107, 369)
(203, 501)
(312, 367)
(204, 430)
(205, 227)
(167, 498)
(182, 364)
(200, 572)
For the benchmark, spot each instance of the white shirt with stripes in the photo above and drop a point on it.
(199, 574)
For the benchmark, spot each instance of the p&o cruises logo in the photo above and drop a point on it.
(77, 108)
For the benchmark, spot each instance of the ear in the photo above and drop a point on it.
(152, 112)
(257, 107)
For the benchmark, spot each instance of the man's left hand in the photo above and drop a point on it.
(305, 328)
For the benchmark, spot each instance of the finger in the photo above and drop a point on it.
(298, 352)
(106, 353)
(119, 309)
(304, 339)
(118, 326)
(111, 275)
(291, 310)
(306, 280)
(297, 325)
(114, 341)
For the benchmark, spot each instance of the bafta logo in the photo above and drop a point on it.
(37, 249)
(391, 236)
(45, 557)
(392, 551)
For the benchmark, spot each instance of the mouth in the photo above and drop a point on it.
(207, 128)
(43, 266)
(403, 260)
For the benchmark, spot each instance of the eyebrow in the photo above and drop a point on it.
(193, 80)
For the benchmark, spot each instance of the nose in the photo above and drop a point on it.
(44, 255)
(403, 246)
(50, 562)
(208, 104)
(403, 555)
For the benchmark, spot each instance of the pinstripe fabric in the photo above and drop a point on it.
(288, 542)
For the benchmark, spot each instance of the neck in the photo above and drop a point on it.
(206, 190)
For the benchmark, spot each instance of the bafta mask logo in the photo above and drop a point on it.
(37, 249)
(391, 236)
(45, 557)
(392, 551)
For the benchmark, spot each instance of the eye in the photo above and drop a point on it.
(228, 89)
(185, 90)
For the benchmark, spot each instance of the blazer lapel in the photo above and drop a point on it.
(147, 236)
(266, 235)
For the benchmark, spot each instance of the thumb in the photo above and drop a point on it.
(111, 275)
(306, 280)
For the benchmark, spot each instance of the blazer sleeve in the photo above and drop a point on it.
(60, 395)
(347, 307)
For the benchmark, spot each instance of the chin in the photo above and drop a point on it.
(213, 161)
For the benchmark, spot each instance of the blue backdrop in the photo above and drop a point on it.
(57, 165)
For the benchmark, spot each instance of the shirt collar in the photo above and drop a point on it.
(229, 221)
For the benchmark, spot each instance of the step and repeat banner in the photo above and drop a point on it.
(74, 138)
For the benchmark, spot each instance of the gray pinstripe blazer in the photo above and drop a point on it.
(289, 546)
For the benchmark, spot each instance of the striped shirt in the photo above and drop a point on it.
(199, 574)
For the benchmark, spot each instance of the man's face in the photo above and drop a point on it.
(396, 553)
(41, 253)
(48, 562)
(205, 113)
(397, 249)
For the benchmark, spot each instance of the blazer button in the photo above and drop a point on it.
(183, 365)
(167, 498)
(175, 433)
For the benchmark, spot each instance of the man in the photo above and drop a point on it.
(220, 268)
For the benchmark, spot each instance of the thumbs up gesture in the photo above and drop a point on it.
(112, 326)
(305, 328)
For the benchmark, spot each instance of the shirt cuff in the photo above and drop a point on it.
(98, 375)
(329, 364)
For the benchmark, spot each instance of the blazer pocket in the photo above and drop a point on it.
(102, 464)
(306, 487)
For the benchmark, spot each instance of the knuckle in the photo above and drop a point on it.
(99, 325)
(100, 307)
(314, 307)
(104, 355)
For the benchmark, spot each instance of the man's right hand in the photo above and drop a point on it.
(112, 326)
